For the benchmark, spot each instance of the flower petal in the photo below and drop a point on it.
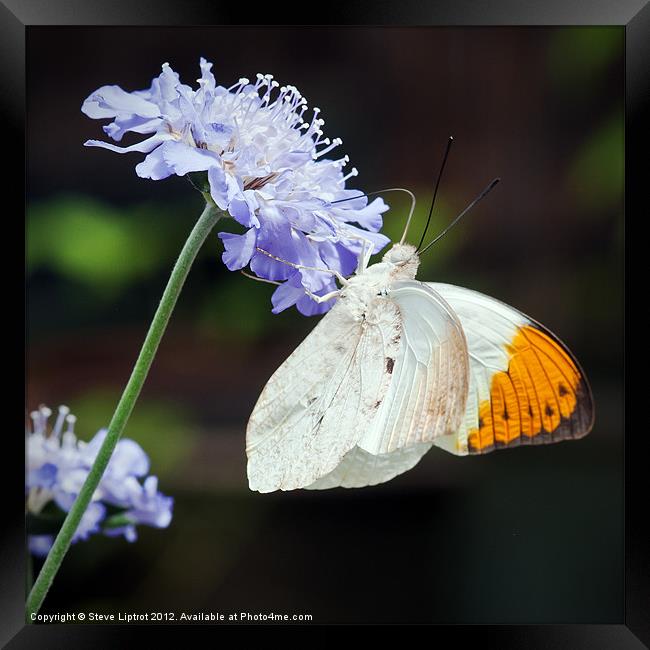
(288, 294)
(337, 256)
(43, 477)
(309, 307)
(218, 186)
(128, 459)
(40, 545)
(90, 521)
(290, 160)
(145, 146)
(182, 158)
(377, 239)
(368, 217)
(207, 78)
(151, 507)
(240, 210)
(154, 166)
(129, 532)
(268, 268)
(110, 101)
(238, 248)
(133, 123)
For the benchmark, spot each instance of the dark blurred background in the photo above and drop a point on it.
(529, 535)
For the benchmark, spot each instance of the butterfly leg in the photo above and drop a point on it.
(313, 296)
(342, 279)
(365, 254)
(254, 277)
(325, 298)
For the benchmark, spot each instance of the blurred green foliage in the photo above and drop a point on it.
(579, 61)
(595, 175)
(443, 214)
(579, 57)
(163, 429)
(237, 306)
(103, 247)
(102, 251)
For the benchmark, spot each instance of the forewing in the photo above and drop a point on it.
(525, 385)
(319, 402)
(427, 395)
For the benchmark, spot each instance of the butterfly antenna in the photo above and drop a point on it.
(435, 190)
(390, 189)
(480, 197)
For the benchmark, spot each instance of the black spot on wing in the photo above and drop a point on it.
(390, 364)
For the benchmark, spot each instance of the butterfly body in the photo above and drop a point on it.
(398, 366)
(363, 289)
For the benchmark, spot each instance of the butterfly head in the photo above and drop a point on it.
(405, 260)
(362, 289)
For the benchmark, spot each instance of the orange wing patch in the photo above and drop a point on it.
(543, 397)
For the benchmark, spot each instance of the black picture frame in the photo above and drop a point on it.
(16, 16)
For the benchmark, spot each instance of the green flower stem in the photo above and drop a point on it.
(29, 570)
(204, 225)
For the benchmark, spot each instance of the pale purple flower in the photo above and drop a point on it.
(145, 506)
(90, 521)
(57, 466)
(265, 166)
(40, 545)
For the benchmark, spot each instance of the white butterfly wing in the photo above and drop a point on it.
(525, 385)
(426, 397)
(361, 469)
(322, 399)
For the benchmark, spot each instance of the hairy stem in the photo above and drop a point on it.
(204, 225)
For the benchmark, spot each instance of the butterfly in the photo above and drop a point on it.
(398, 366)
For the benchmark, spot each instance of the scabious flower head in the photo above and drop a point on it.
(57, 466)
(266, 167)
